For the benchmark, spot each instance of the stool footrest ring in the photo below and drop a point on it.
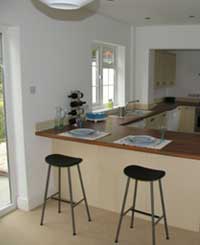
(53, 195)
(144, 213)
(62, 200)
(76, 204)
(66, 201)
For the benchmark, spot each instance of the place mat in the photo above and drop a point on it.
(94, 136)
(158, 144)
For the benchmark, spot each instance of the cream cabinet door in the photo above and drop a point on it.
(139, 124)
(173, 120)
(164, 69)
(187, 121)
(172, 69)
(157, 121)
(158, 66)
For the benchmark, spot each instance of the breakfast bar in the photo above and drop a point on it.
(104, 161)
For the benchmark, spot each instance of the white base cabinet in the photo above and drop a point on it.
(181, 119)
(173, 119)
(187, 119)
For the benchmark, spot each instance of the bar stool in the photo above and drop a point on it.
(139, 173)
(62, 161)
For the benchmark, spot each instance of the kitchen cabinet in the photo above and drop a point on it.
(139, 124)
(187, 119)
(152, 122)
(157, 121)
(164, 69)
(173, 120)
(181, 119)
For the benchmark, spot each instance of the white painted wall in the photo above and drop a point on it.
(187, 74)
(159, 37)
(55, 57)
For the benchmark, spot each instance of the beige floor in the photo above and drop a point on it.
(21, 228)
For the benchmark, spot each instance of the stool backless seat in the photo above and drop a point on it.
(139, 173)
(62, 161)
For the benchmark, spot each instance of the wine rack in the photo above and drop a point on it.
(77, 110)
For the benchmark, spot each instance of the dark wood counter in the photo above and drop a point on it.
(159, 108)
(184, 145)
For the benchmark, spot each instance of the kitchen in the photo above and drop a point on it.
(181, 151)
(53, 56)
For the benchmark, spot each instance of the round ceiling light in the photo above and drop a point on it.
(66, 4)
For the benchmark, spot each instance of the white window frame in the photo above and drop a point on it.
(100, 46)
(9, 121)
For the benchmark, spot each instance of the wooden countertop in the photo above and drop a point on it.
(159, 108)
(184, 145)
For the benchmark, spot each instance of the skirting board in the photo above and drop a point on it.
(26, 204)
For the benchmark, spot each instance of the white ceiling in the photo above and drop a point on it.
(162, 12)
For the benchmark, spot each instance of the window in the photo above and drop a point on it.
(104, 75)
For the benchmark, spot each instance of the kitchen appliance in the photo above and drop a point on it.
(170, 99)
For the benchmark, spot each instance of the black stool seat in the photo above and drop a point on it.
(151, 176)
(59, 160)
(143, 174)
(63, 161)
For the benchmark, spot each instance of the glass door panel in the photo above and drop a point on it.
(5, 191)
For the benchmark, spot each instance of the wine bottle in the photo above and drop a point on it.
(76, 95)
(77, 103)
(72, 121)
(73, 113)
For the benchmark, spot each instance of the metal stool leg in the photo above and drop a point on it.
(122, 210)
(71, 201)
(163, 208)
(152, 215)
(134, 203)
(59, 190)
(84, 195)
(45, 195)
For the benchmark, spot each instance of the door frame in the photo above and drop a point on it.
(9, 122)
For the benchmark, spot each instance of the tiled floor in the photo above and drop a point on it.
(22, 228)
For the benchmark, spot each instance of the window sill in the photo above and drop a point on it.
(106, 110)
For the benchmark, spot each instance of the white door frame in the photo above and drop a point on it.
(9, 120)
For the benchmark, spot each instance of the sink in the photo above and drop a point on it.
(138, 113)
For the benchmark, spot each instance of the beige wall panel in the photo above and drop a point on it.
(102, 171)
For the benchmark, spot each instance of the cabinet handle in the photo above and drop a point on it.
(152, 119)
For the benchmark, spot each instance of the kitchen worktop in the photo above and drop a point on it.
(184, 145)
(159, 108)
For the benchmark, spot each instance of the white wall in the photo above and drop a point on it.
(159, 37)
(187, 74)
(55, 57)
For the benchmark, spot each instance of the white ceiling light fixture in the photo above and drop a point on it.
(66, 4)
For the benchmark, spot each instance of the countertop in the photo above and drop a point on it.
(184, 145)
(159, 108)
